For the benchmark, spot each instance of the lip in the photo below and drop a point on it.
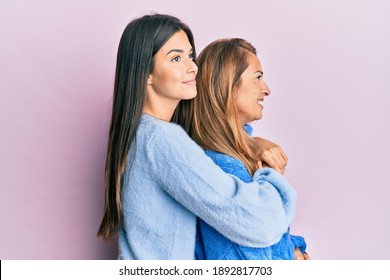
(260, 100)
(191, 82)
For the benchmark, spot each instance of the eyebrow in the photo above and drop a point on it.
(261, 72)
(178, 50)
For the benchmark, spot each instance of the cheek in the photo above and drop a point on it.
(173, 79)
(177, 76)
(169, 73)
(240, 103)
(164, 80)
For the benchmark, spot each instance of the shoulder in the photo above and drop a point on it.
(161, 131)
(166, 139)
(230, 165)
(148, 122)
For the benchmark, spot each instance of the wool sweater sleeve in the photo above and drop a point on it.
(251, 214)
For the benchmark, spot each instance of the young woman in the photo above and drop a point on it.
(157, 179)
(231, 92)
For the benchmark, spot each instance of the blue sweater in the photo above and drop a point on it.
(213, 245)
(169, 181)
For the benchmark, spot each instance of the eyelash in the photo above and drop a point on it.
(178, 58)
(259, 77)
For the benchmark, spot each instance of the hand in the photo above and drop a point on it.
(299, 256)
(306, 256)
(271, 155)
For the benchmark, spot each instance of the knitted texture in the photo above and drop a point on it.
(169, 181)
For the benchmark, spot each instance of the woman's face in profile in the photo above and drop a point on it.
(251, 92)
(173, 76)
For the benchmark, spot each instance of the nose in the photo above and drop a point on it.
(192, 67)
(265, 89)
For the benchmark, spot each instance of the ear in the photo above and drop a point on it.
(150, 78)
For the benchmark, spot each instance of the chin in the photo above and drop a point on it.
(258, 118)
(190, 95)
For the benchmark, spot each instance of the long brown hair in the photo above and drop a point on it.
(215, 125)
(140, 41)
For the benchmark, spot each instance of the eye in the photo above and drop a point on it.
(259, 77)
(176, 58)
(191, 56)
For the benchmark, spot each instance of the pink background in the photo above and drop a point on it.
(327, 64)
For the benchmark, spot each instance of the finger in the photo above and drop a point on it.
(283, 154)
(275, 160)
(280, 161)
(298, 254)
(280, 157)
(299, 258)
(306, 256)
(269, 159)
(283, 158)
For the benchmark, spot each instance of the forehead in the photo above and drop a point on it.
(179, 40)
(254, 62)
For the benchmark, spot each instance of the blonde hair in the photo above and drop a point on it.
(216, 123)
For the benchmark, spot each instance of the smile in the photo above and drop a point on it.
(260, 101)
(190, 82)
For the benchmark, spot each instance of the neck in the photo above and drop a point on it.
(159, 106)
(163, 111)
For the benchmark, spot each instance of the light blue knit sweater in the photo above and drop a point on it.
(169, 181)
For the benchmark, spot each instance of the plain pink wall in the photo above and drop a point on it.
(327, 64)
